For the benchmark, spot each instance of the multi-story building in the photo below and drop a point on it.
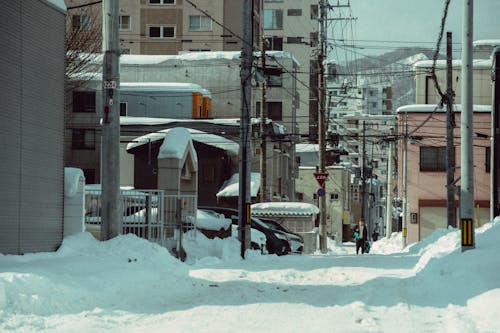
(426, 166)
(292, 26)
(171, 26)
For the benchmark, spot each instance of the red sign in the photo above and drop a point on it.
(321, 177)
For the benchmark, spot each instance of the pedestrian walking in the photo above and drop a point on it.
(361, 236)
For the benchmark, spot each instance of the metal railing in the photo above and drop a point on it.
(149, 214)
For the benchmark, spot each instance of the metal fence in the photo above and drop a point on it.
(149, 214)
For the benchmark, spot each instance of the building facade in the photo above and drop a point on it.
(426, 166)
(32, 131)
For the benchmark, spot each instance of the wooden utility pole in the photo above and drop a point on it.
(263, 138)
(321, 126)
(110, 156)
(244, 199)
(495, 148)
(450, 125)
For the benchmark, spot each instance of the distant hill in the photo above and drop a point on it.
(395, 68)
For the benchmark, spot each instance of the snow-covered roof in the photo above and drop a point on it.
(161, 86)
(59, 4)
(487, 42)
(426, 108)
(284, 208)
(476, 63)
(306, 148)
(140, 59)
(196, 135)
(231, 187)
(159, 121)
(177, 141)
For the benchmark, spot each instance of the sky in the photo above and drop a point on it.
(381, 23)
(128, 284)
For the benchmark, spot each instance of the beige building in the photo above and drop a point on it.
(339, 215)
(292, 26)
(426, 92)
(170, 26)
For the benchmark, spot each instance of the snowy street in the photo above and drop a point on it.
(130, 285)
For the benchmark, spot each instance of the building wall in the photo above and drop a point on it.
(31, 172)
(428, 189)
(161, 15)
(298, 26)
(338, 203)
(426, 93)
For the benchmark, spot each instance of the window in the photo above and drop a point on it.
(162, 2)
(314, 12)
(161, 31)
(200, 23)
(125, 23)
(274, 111)
(299, 196)
(274, 43)
(432, 158)
(83, 138)
(294, 12)
(89, 175)
(81, 22)
(273, 19)
(123, 109)
(274, 80)
(83, 101)
(294, 40)
(313, 37)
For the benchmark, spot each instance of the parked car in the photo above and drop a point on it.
(276, 242)
(296, 241)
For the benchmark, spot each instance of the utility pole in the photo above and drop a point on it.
(263, 139)
(244, 199)
(467, 161)
(495, 133)
(321, 125)
(388, 211)
(405, 182)
(110, 157)
(363, 174)
(450, 125)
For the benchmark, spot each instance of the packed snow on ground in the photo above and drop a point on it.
(128, 284)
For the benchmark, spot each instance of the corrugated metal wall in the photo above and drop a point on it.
(31, 129)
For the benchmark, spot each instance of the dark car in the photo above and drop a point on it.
(296, 241)
(276, 241)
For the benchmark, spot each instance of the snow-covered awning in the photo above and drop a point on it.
(284, 208)
(231, 187)
(196, 135)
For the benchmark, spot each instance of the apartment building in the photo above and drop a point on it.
(292, 26)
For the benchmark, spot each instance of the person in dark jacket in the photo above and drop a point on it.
(361, 236)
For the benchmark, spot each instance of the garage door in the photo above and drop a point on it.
(432, 218)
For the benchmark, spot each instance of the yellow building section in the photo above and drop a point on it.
(197, 105)
(207, 108)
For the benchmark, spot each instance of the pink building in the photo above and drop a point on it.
(426, 167)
